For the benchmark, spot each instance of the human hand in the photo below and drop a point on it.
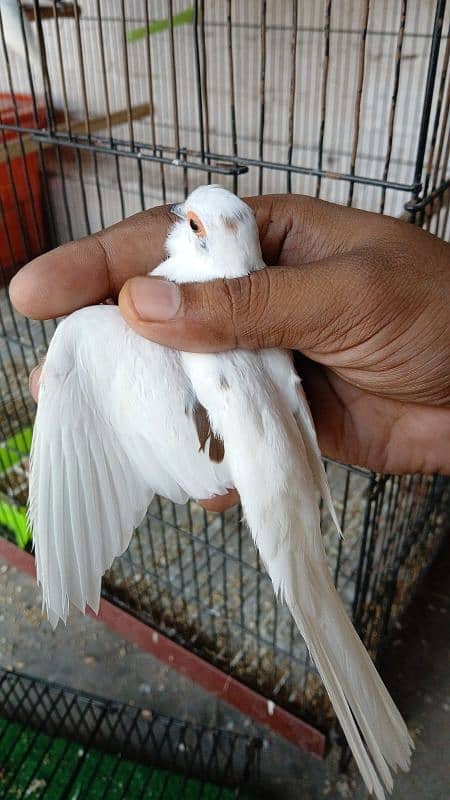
(365, 298)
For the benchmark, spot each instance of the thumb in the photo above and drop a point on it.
(286, 307)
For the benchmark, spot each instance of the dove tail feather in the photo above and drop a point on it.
(374, 728)
(279, 498)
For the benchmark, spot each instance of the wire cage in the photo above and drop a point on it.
(134, 104)
(58, 743)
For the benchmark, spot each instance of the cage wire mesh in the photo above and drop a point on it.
(58, 743)
(134, 104)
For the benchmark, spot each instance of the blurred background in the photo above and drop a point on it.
(108, 108)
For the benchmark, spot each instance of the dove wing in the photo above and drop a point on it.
(279, 366)
(272, 461)
(113, 427)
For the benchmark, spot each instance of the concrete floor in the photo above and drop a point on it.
(416, 666)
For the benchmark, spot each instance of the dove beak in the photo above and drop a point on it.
(177, 209)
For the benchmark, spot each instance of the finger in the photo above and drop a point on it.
(287, 307)
(221, 502)
(292, 229)
(34, 381)
(90, 270)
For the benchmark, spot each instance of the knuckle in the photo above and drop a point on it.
(253, 311)
(248, 299)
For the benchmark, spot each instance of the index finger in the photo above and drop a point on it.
(96, 267)
(293, 229)
(92, 269)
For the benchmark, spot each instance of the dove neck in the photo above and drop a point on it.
(233, 260)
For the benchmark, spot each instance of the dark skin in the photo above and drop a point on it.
(364, 299)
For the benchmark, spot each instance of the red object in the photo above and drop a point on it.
(211, 678)
(22, 226)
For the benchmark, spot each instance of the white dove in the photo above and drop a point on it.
(13, 32)
(121, 418)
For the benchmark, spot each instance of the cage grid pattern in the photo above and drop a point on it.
(260, 92)
(50, 718)
(344, 101)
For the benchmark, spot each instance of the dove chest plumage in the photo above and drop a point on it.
(121, 418)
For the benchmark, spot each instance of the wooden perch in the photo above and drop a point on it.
(115, 118)
(48, 12)
(28, 144)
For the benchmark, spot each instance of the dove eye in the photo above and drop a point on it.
(196, 225)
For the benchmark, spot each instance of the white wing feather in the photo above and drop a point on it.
(269, 460)
(110, 431)
(105, 440)
(280, 367)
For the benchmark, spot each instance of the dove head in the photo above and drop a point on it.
(216, 236)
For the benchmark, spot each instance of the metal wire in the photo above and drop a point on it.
(47, 718)
(347, 102)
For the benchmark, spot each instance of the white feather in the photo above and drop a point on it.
(269, 461)
(279, 365)
(112, 429)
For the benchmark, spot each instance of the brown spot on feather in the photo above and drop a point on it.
(202, 425)
(216, 449)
